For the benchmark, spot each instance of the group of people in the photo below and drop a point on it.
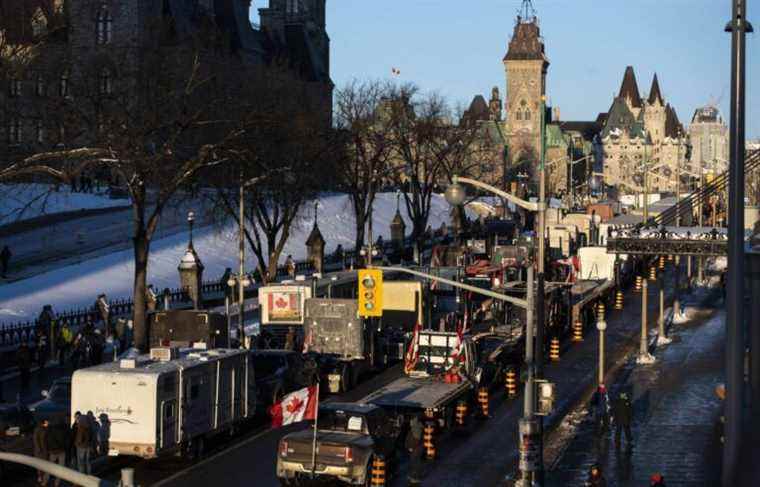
(73, 445)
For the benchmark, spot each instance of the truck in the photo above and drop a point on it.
(441, 370)
(282, 307)
(349, 437)
(169, 401)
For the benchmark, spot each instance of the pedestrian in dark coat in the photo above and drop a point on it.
(5, 259)
(600, 404)
(83, 439)
(595, 477)
(290, 339)
(41, 448)
(623, 413)
(58, 445)
(413, 443)
(24, 363)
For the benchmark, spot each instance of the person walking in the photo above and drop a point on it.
(63, 341)
(24, 363)
(40, 438)
(83, 439)
(58, 444)
(623, 414)
(95, 429)
(5, 260)
(656, 480)
(600, 404)
(595, 477)
(290, 265)
(413, 444)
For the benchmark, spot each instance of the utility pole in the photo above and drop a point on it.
(241, 270)
(601, 325)
(529, 429)
(739, 26)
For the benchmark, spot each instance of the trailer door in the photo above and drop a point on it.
(168, 423)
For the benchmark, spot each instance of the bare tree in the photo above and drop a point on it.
(366, 133)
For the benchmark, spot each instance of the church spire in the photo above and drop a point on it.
(654, 92)
(526, 13)
(629, 90)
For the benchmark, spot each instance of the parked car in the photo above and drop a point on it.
(15, 420)
(349, 437)
(56, 403)
(280, 372)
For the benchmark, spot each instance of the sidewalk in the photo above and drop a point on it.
(675, 413)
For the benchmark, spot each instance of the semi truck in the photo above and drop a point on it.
(168, 401)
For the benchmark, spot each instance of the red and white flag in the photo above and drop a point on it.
(297, 406)
(458, 350)
(413, 352)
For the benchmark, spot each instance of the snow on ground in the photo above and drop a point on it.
(78, 285)
(15, 201)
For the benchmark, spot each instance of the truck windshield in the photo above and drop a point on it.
(343, 421)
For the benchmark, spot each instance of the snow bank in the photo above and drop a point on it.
(15, 201)
(78, 285)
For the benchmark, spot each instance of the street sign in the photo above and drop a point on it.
(530, 441)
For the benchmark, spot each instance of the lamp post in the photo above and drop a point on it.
(242, 281)
(190, 221)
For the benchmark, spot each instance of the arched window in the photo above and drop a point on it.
(14, 131)
(104, 26)
(527, 114)
(63, 83)
(40, 87)
(14, 86)
(105, 82)
(40, 132)
(519, 115)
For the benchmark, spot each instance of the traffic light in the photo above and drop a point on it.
(370, 292)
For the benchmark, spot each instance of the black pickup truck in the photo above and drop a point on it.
(349, 437)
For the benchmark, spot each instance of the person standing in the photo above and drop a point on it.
(290, 265)
(595, 477)
(413, 443)
(24, 363)
(42, 348)
(290, 339)
(41, 439)
(95, 429)
(58, 444)
(104, 433)
(623, 413)
(5, 260)
(601, 407)
(63, 341)
(83, 444)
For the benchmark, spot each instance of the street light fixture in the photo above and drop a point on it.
(190, 221)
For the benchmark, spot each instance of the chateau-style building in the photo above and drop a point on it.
(642, 135)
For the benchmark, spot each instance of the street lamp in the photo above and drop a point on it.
(242, 281)
(190, 221)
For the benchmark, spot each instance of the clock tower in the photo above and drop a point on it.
(526, 65)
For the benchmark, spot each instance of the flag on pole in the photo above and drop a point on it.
(413, 352)
(297, 406)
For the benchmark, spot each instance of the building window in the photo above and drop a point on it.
(14, 86)
(519, 115)
(104, 26)
(14, 131)
(40, 132)
(40, 88)
(63, 84)
(61, 134)
(527, 114)
(293, 6)
(105, 82)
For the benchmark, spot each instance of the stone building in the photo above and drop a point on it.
(641, 134)
(708, 134)
(78, 47)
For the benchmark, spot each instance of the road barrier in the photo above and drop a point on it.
(619, 299)
(554, 350)
(378, 471)
(639, 280)
(461, 413)
(662, 262)
(511, 383)
(577, 331)
(653, 273)
(483, 401)
(428, 440)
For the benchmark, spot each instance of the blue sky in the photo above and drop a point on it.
(455, 47)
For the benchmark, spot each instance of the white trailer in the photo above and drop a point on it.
(168, 401)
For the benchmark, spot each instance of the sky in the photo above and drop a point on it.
(455, 47)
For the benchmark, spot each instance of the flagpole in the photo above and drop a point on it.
(314, 440)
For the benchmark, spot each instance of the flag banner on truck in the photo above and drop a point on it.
(284, 306)
(297, 406)
(413, 353)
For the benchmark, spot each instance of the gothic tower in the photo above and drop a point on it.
(526, 65)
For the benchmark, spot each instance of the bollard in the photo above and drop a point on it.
(461, 413)
(662, 262)
(483, 401)
(577, 331)
(511, 382)
(600, 311)
(428, 440)
(638, 284)
(653, 273)
(378, 471)
(619, 299)
(554, 350)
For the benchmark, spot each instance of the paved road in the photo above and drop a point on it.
(675, 414)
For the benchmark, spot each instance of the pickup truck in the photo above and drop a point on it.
(349, 437)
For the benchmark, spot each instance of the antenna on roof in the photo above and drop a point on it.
(526, 12)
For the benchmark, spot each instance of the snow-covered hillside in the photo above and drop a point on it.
(23, 201)
(78, 285)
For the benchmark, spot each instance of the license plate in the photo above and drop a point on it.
(112, 452)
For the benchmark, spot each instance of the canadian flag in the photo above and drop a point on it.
(413, 352)
(300, 405)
